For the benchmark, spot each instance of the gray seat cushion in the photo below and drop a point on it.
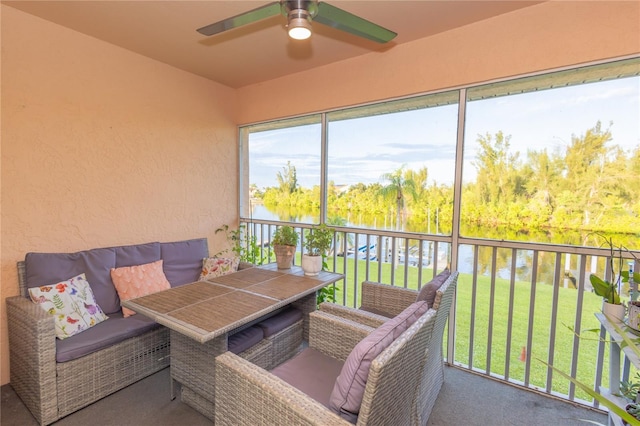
(182, 260)
(311, 372)
(244, 339)
(102, 335)
(280, 321)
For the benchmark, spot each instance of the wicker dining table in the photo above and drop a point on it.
(201, 315)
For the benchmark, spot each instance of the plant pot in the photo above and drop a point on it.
(311, 265)
(613, 312)
(284, 255)
(634, 315)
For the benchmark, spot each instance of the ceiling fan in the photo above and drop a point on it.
(300, 14)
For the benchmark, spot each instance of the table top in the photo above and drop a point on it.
(207, 309)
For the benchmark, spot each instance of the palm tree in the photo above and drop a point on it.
(400, 185)
(287, 179)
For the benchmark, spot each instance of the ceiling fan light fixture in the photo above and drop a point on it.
(299, 24)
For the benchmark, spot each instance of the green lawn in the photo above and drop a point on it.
(541, 324)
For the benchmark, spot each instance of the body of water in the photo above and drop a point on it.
(357, 248)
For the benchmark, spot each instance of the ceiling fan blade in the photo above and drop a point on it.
(345, 21)
(249, 17)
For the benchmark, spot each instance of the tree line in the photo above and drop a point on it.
(589, 185)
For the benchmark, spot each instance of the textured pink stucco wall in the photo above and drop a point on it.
(546, 36)
(101, 147)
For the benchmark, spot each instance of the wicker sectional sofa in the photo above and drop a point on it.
(56, 377)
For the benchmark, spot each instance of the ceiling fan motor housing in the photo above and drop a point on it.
(297, 15)
(299, 7)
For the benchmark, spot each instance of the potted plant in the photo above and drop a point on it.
(284, 242)
(317, 241)
(630, 390)
(612, 306)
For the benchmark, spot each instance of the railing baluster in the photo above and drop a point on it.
(512, 282)
(472, 322)
(379, 255)
(527, 262)
(420, 262)
(356, 237)
(434, 259)
(344, 268)
(532, 304)
(599, 364)
(393, 260)
(554, 316)
(577, 325)
(368, 261)
(492, 296)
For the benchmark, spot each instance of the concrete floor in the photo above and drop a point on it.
(465, 399)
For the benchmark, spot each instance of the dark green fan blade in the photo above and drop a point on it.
(345, 21)
(254, 15)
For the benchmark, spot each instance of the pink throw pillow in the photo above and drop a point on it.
(138, 281)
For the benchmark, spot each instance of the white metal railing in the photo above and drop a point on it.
(518, 305)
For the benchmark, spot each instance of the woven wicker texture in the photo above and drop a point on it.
(32, 355)
(363, 317)
(222, 313)
(335, 336)
(246, 278)
(193, 363)
(433, 375)
(394, 375)
(390, 298)
(89, 378)
(164, 302)
(51, 390)
(283, 346)
(249, 395)
(285, 286)
(208, 309)
(260, 354)
(197, 402)
(385, 298)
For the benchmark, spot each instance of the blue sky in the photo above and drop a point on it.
(361, 150)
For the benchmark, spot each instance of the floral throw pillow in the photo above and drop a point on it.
(217, 266)
(71, 303)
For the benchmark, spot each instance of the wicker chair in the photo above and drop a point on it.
(385, 298)
(383, 301)
(249, 395)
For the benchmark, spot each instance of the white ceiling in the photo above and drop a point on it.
(166, 31)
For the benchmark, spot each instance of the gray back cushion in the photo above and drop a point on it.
(50, 268)
(138, 254)
(182, 260)
(428, 291)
